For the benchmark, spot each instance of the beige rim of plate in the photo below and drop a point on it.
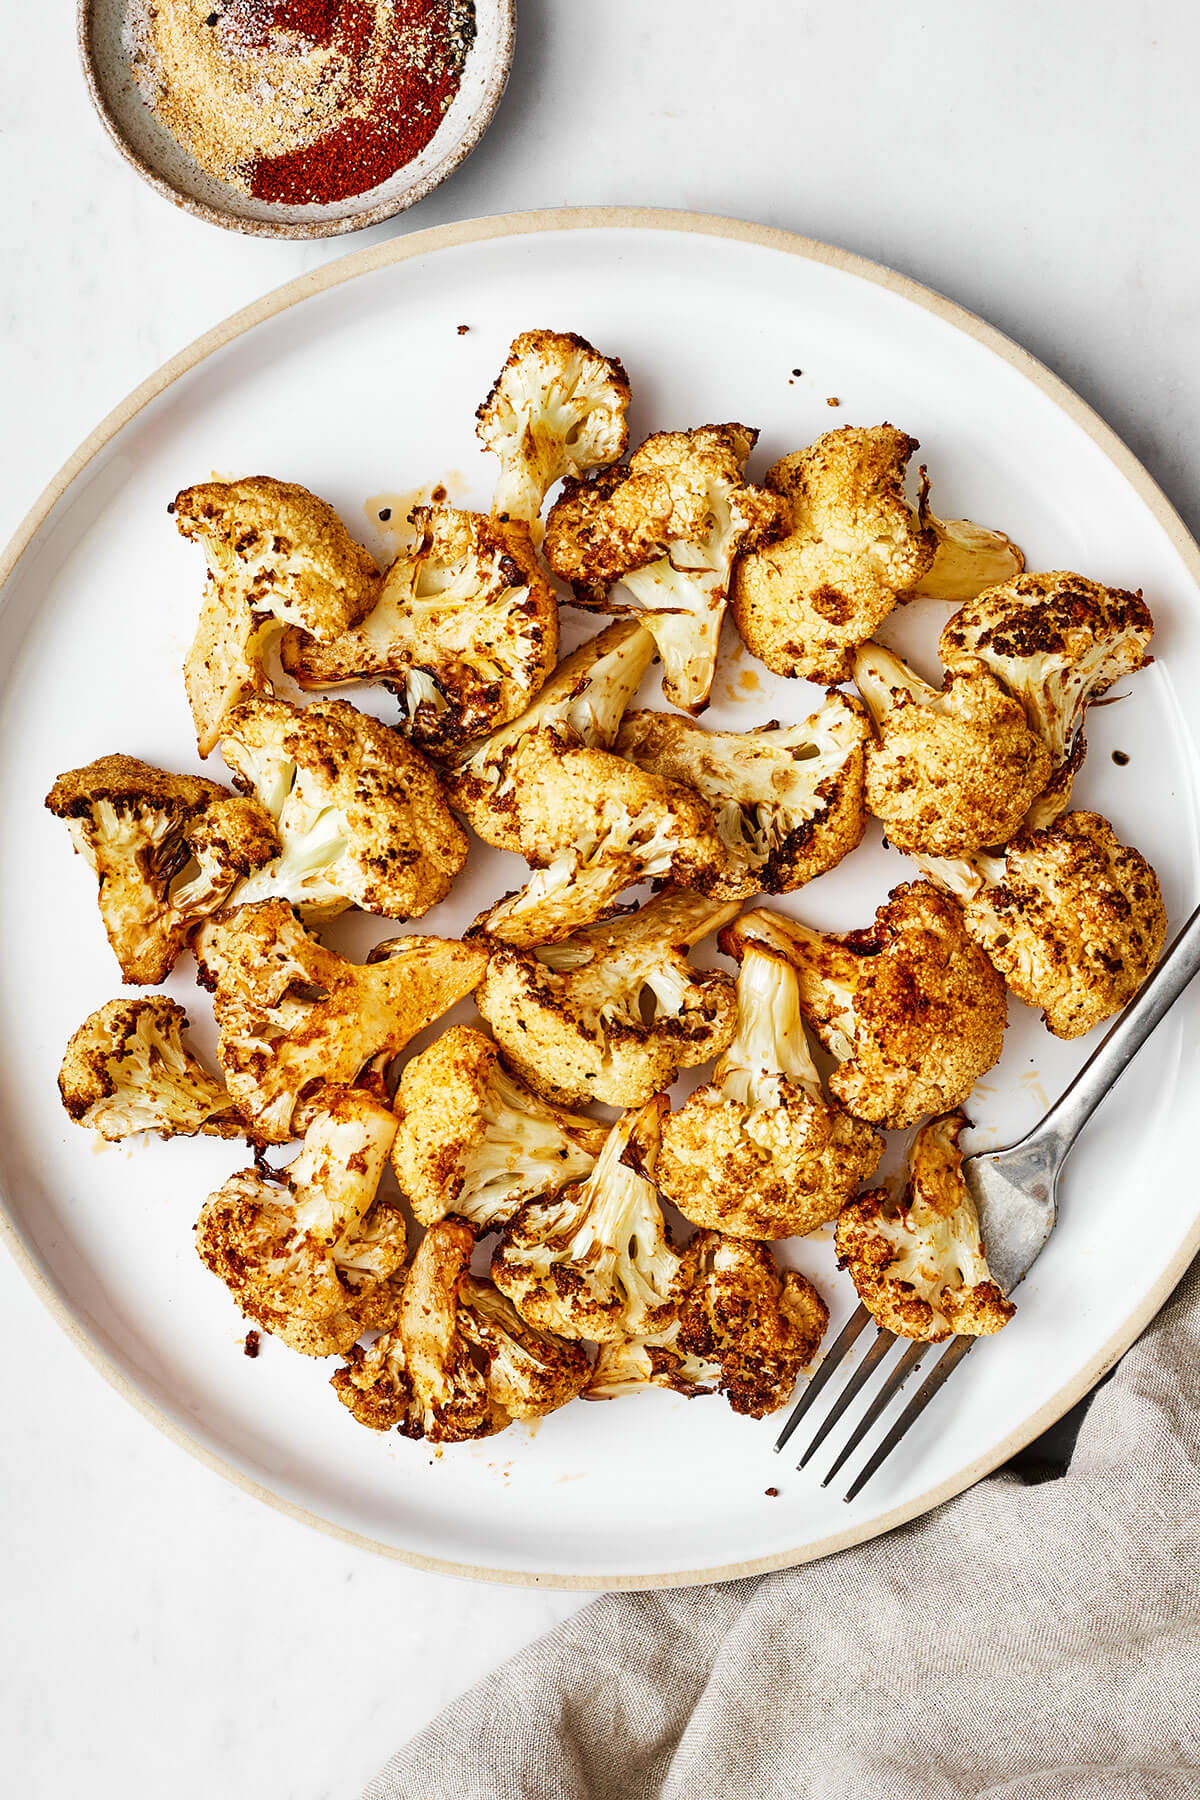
(364, 262)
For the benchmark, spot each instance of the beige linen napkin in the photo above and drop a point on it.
(1023, 1643)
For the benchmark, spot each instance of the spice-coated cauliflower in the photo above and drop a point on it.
(473, 1140)
(855, 550)
(294, 1018)
(464, 632)
(669, 527)
(759, 1152)
(556, 408)
(127, 1070)
(787, 800)
(910, 1007)
(919, 1263)
(361, 817)
(950, 770)
(613, 1012)
(167, 851)
(277, 556)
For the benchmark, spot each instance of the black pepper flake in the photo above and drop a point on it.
(250, 1347)
(170, 506)
(385, 513)
(1120, 758)
(211, 20)
(797, 371)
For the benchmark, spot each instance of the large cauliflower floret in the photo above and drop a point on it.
(556, 408)
(475, 1141)
(787, 800)
(759, 1151)
(744, 1328)
(167, 851)
(919, 1263)
(596, 1262)
(613, 1012)
(949, 771)
(294, 1018)
(910, 1007)
(1056, 642)
(127, 1070)
(856, 549)
(465, 630)
(361, 817)
(309, 1253)
(669, 527)
(277, 556)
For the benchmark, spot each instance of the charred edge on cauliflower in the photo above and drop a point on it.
(127, 1070)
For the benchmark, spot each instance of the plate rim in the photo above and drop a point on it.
(590, 218)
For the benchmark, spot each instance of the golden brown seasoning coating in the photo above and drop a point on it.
(128, 1070)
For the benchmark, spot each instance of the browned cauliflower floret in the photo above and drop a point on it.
(167, 850)
(744, 1328)
(910, 1007)
(475, 1141)
(759, 1151)
(294, 1018)
(277, 556)
(361, 817)
(127, 1070)
(556, 408)
(949, 771)
(669, 527)
(309, 1253)
(464, 632)
(856, 549)
(918, 1263)
(613, 1012)
(788, 801)
(1056, 642)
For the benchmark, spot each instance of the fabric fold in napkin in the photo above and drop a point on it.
(1021, 1643)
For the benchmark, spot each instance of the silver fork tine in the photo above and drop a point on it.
(829, 1362)
(937, 1377)
(861, 1375)
(891, 1387)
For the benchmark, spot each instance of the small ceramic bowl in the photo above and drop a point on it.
(161, 161)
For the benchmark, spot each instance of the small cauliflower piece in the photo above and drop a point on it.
(949, 771)
(918, 1263)
(669, 527)
(613, 1012)
(277, 556)
(855, 550)
(464, 632)
(556, 408)
(167, 851)
(910, 1007)
(361, 817)
(474, 1141)
(787, 800)
(128, 1070)
(294, 1018)
(759, 1152)
(744, 1328)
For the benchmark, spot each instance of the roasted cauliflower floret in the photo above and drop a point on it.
(910, 1007)
(669, 528)
(744, 1328)
(464, 632)
(759, 1152)
(127, 1070)
(167, 850)
(475, 1141)
(309, 1253)
(950, 770)
(919, 1263)
(277, 556)
(294, 1018)
(1055, 642)
(855, 550)
(361, 817)
(613, 1012)
(788, 801)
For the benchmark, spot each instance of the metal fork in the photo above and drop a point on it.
(1015, 1192)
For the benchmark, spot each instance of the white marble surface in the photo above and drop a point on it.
(164, 1633)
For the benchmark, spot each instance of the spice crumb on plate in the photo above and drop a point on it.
(251, 1344)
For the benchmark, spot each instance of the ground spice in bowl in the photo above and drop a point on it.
(300, 101)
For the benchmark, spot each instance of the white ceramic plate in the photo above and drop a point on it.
(357, 382)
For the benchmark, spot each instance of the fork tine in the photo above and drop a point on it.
(936, 1379)
(866, 1368)
(829, 1362)
(891, 1387)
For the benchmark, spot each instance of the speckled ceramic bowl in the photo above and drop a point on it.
(161, 161)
